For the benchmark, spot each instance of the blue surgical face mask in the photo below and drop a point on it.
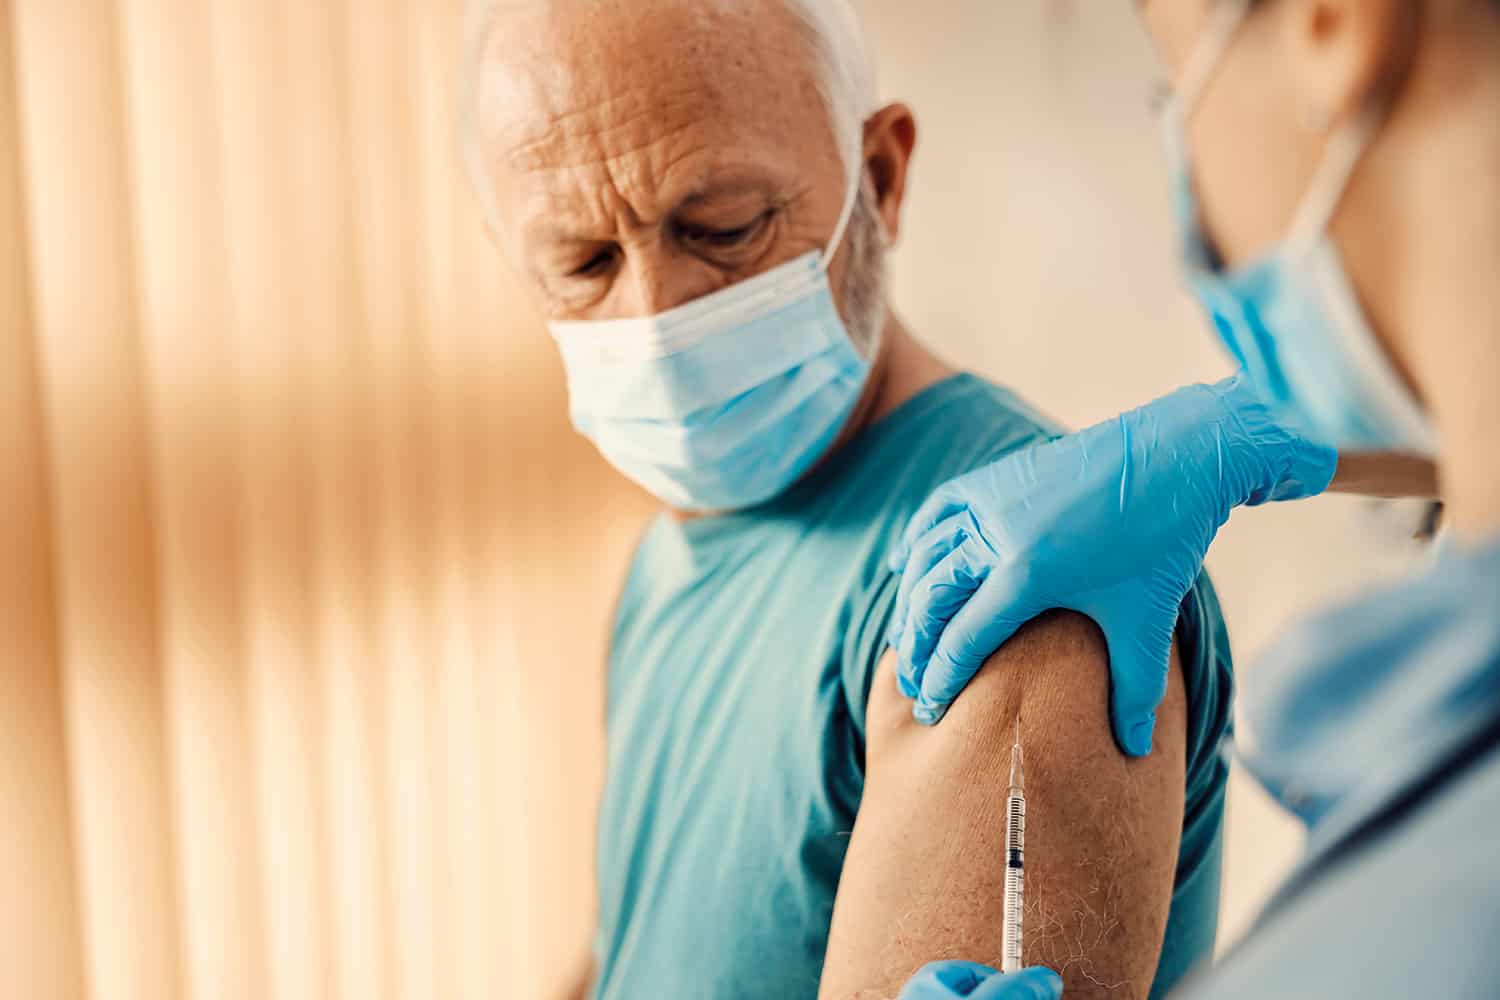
(1291, 319)
(724, 402)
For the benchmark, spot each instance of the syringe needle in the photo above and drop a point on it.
(1017, 761)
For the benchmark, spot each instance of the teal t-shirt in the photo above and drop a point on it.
(742, 659)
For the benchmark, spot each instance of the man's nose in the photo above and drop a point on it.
(656, 280)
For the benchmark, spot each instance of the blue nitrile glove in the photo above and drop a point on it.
(1112, 522)
(946, 980)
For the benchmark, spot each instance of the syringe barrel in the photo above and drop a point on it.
(1015, 880)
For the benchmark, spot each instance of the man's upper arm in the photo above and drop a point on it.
(924, 876)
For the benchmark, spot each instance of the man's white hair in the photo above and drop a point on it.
(846, 77)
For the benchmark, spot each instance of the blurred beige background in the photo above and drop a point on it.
(304, 579)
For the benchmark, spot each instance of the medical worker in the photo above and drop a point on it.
(1336, 166)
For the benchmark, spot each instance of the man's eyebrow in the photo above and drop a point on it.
(539, 221)
(549, 231)
(726, 187)
(542, 225)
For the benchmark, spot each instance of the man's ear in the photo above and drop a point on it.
(890, 137)
(1341, 54)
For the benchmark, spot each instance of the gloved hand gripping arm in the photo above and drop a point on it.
(1112, 522)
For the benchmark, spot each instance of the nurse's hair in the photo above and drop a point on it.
(836, 45)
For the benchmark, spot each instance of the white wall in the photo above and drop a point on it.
(1038, 251)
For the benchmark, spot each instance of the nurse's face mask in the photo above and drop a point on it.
(724, 402)
(1291, 319)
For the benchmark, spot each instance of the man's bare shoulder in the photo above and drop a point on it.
(1057, 666)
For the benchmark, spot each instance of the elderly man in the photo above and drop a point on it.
(701, 194)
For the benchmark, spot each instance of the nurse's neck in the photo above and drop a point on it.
(1468, 422)
(1432, 246)
(1456, 347)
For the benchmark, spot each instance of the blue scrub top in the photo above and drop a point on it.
(739, 672)
(1378, 723)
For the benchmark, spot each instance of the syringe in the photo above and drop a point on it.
(1015, 861)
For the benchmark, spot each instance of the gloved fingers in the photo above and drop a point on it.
(939, 507)
(987, 620)
(940, 980)
(934, 601)
(926, 553)
(1140, 650)
(1296, 467)
(1035, 983)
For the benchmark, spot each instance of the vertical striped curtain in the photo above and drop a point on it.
(303, 580)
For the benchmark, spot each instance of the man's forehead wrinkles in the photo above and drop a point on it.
(635, 118)
(641, 190)
(552, 154)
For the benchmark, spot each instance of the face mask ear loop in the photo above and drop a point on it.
(1345, 150)
(1223, 23)
(848, 213)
